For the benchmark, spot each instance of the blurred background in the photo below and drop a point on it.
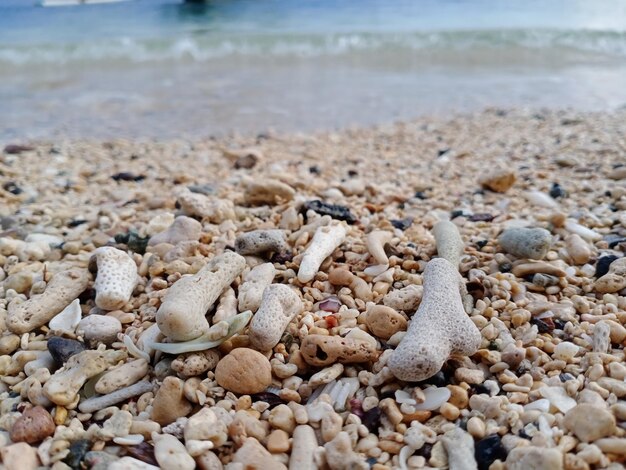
(169, 68)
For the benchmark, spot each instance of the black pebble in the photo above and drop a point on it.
(12, 187)
(420, 195)
(78, 449)
(371, 419)
(456, 213)
(438, 380)
(602, 265)
(557, 191)
(402, 224)
(14, 149)
(127, 176)
(488, 450)
(314, 170)
(270, 398)
(334, 210)
(482, 217)
(61, 349)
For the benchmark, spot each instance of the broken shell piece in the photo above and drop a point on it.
(376, 241)
(236, 324)
(440, 326)
(449, 242)
(574, 227)
(254, 283)
(67, 320)
(279, 306)
(538, 198)
(181, 316)
(325, 241)
(63, 288)
(321, 350)
(261, 241)
(116, 278)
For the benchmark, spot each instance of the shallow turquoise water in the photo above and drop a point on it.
(163, 68)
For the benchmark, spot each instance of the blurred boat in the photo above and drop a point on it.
(64, 3)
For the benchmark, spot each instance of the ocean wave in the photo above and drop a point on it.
(205, 47)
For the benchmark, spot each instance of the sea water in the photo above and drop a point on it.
(166, 68)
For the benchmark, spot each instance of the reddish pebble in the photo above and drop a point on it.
(34, 425)
(331, 321)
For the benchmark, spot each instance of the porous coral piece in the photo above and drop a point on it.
(261, 241)
(182, 229)
(198, 205)
(116, 278)
(280, 304)
(254, 284)
(321, 350)
(532, 243)
(325, 241)
(449, 242)
(195, 363)
(62, 289)
(459, 445)
(439, 328)
(63, 387)
(181, 316)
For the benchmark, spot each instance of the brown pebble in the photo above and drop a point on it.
(384, 321)
(498, 181)
(244, 371)
(34, 425)
(278, 441)
(170, 403)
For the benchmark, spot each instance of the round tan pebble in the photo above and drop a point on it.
(244, 371)
(458, 396)
(449, 411)
(384, 321)
(34, 425)
(278, 441)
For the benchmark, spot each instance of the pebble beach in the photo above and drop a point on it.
(437, 293)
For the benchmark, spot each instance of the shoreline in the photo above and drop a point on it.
(551, 332)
